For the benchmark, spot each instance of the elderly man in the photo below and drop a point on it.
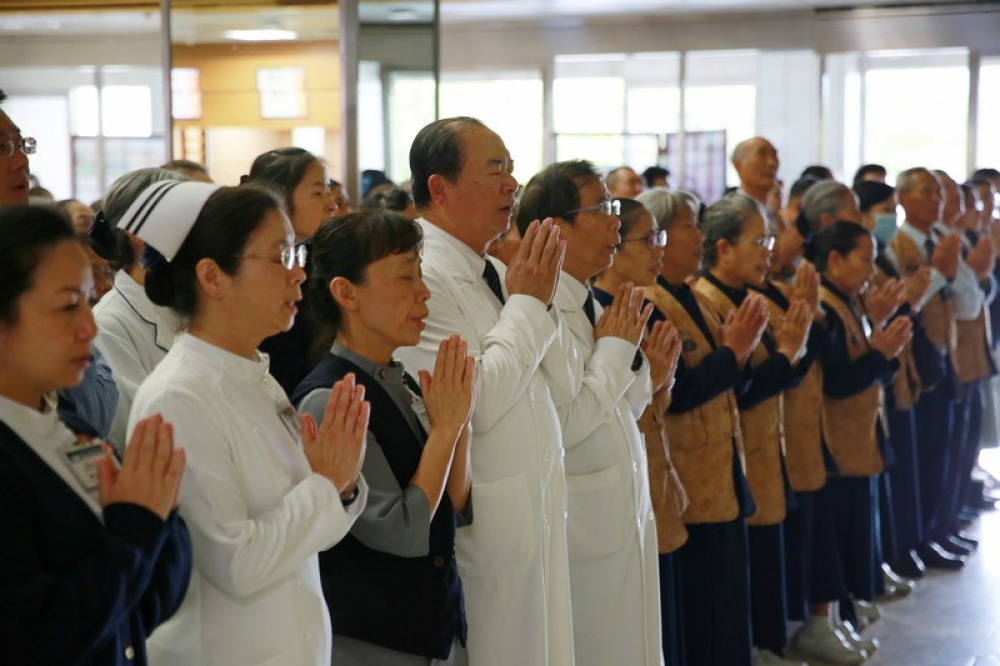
(954, 294)
(624, 183)
(612, 546)
(96, 398)
(513, 558)
(756, 162)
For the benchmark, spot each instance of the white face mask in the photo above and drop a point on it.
(885, 227)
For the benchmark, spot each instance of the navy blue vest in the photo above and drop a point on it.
(413, 605)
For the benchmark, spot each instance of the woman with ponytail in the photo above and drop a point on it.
(264, 492)
(392, 584)
(133, 334)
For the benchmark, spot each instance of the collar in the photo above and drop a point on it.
(462, 258)
(162, 319)
(575, 292)
(32, 425)
(232, 365)
(837, 292)
(916, 235)
(674, 291)
(392, 373)
(735, 295)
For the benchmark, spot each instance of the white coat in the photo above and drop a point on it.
(257, 515)
(513, 558)
(613, 557)
(134, 335)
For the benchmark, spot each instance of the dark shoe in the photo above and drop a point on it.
(936, 557)
(909, 565)
(954, 546)
(966, 540)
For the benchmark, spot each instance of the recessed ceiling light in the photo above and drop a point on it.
(268, 35)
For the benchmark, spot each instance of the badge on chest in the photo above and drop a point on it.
(82, 458)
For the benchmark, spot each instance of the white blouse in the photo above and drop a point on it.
(256, 513)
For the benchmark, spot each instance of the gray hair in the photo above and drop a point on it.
(664, 204)
(826, 196)
(905, 179)
(724, 220)
(120, 197)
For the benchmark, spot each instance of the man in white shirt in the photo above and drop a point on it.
(513, 558)
(612, 532)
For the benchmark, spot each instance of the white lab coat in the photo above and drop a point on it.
(134, 335)
(513, 558)
(613, 558)
(258, 516)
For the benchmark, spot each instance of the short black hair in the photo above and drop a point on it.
(344, 247)
(27, 233)
(554, 191)
(281, 170)
(801, 186)
(986, 173)
(630, 213)
(817, 171)
(3, 97)
(654, 172)
(224, 225)
(865, 169)
(437, 150)
(392, 198)
(871, 193)
(840, 237)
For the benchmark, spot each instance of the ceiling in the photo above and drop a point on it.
(313, 19)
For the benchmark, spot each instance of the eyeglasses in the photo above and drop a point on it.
(290, 256)
(27, 145)
(652, 241)
(765, 242)
(606, 207)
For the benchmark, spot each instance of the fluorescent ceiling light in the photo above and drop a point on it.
(268, 35)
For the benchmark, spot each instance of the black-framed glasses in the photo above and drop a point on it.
(764, 242)
(606, 207)
(9, 147)
(652, 241)
(290, 256)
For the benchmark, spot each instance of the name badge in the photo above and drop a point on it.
(82, 460)
(688, 345)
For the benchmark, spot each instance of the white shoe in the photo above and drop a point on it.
(847, 633)
(899, 586)
(868, 612)
(768, 658)
(817, 641)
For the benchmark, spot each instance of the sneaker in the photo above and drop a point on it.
(768, 658)
(867, 612)
(817, 641)
(856, 640)
(900, 586)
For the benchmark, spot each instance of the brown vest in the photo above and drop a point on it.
(701, 439)
(849, 423)
(665, 488)
(938, 314)
(974, 359)
(762, 427)
(803, 407)
(906, 385)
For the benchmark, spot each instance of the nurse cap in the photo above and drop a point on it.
(162, 216)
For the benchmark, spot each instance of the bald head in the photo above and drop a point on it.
(624, 183)
(756, 162)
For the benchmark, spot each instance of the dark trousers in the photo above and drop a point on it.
(768, 612)
(671, 612)
(907, 513)
(854, 502)
(814, 572)
(934, 415)
(715, 596)
(961, 480)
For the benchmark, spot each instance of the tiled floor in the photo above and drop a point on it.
(951, 619)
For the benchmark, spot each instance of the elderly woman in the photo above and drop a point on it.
(392, 585)
(638, 260)
(706, 448)
(264, 493)
(93, 557)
